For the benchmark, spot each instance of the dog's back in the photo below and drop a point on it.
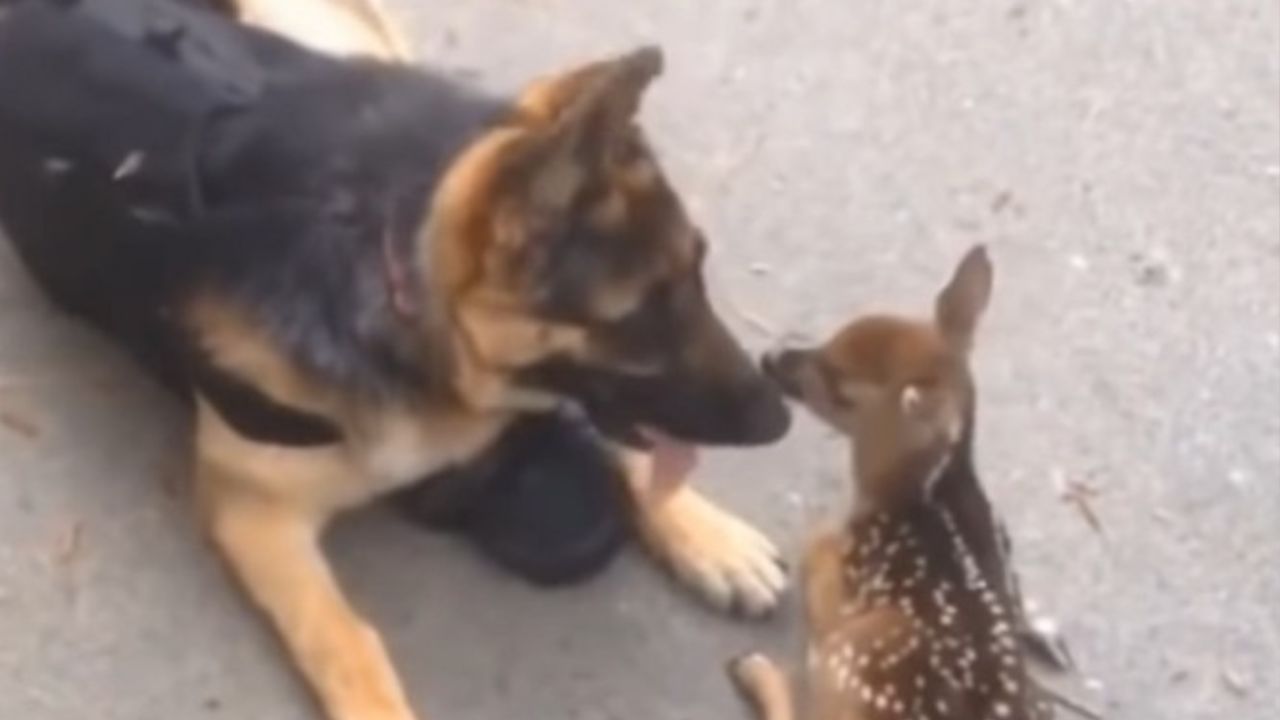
(168, 145)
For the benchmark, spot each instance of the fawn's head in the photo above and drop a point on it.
(899, 388)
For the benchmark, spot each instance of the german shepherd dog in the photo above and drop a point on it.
(912, 610)
(365, 276)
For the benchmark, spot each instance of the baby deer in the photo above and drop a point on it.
(911, 610)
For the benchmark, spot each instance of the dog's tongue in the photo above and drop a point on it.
(673, 460)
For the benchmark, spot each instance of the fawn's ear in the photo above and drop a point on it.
(961, 303)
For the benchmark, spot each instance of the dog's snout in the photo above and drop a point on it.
(764, 414)
(782, 367)
(769, 361)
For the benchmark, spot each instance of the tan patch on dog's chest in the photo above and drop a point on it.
(397, 448)
(385, 446)
(383, 453)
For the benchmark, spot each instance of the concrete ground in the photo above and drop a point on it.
(1122, 158)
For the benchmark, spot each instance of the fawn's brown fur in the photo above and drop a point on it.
(911, 611)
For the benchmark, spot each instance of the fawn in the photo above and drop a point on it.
(911, 610)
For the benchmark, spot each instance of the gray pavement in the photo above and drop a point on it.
(1122, 158)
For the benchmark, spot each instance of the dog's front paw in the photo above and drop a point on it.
(727, 561)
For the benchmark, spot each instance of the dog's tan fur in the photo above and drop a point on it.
(266, 506)
(342, 27)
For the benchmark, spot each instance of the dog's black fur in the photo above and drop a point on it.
(237, 165)
(253, 178)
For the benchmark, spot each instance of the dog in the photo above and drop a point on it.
(910, 607)
(363, 274)
(498, 499)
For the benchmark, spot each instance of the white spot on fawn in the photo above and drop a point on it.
(1045, 626)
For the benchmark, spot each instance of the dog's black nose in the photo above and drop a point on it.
(765, 417)
(782, 366)
(770, 361)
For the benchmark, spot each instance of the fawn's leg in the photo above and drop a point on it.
(765, 686)
(823, 583)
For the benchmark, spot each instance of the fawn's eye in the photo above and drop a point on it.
(844, 400)
(843, 395)
(925, 383)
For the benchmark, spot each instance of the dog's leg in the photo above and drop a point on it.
(729, 562)
(275, 554)
(272, 545)
(765, 686)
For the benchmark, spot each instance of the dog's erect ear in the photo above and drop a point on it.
(616, 82)
(961, 303)
(575, 118)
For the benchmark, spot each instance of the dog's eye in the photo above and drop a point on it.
(649, 308)
(545, 229)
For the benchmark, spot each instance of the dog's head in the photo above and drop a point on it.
(572, 269)
(900, 388)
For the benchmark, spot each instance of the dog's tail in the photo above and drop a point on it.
(340, 27)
